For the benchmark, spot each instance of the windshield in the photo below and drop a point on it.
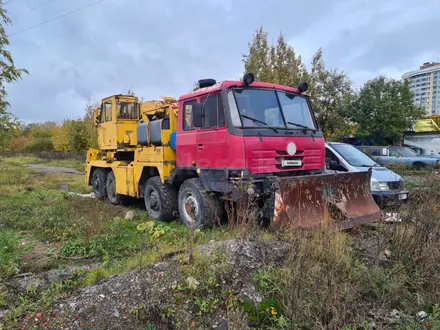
(257, 107)
(354, 156)
(406, 152)
(127, 110)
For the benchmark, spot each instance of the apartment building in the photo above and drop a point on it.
(425, 84)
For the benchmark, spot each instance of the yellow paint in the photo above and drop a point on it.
(113, 132)
(120, 136)
(429, 124)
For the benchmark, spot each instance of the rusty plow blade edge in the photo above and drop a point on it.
(326, 201)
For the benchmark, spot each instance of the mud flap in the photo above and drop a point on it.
(327, 201)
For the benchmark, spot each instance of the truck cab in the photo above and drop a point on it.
(233, 128)
(116, 122)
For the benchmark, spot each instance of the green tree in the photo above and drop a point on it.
(8, 74)
(40, 136)
(383, 109)
(281, 65)
(89, 125)
(78, 138)
(329, 90)
(61, 137)
(278, 64)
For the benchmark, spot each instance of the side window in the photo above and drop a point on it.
(394, 154)
(102, 113)
(108, 110)
(221, 114)
(213, 111)
(210, 111)
(188, 118)
(329, 155)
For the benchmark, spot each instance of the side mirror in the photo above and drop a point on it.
(197, 115)
(334, 165)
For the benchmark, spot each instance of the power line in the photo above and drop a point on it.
(55, 18)
(6, 2)
(34, 8)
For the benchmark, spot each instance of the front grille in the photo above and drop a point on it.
(269, 160)
(396, 185)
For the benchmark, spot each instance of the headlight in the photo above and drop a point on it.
(375, 185)
(379, 186)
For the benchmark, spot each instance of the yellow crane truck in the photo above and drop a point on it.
(185, 156)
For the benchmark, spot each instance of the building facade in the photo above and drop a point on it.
(425, 84)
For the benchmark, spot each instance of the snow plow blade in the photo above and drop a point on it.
(330, 202)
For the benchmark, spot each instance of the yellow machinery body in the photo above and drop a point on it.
(117, 134)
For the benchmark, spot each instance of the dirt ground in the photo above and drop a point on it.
(52, 169)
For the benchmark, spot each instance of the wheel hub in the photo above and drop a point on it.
(191, 209)
(154, 200)
(96, 184)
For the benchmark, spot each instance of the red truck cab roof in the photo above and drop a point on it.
(233, 83)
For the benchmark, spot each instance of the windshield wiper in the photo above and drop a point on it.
(299, 125)
(261, 122)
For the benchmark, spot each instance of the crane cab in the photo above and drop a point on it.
(116, 122)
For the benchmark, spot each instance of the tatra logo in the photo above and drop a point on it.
(291, 148)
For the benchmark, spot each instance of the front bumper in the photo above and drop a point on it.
(390, 198)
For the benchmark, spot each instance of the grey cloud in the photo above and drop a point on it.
(162, 47)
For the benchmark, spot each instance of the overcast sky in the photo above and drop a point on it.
(162, 47)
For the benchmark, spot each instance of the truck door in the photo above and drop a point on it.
(211, 137)
(186, 141)
(105, 125)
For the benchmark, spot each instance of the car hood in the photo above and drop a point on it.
(381, 173)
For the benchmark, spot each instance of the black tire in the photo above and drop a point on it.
(193, 198)
(419, 166)
(160, 200)
(112, 195)
(99, 183)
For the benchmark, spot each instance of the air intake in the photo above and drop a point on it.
(202, 83)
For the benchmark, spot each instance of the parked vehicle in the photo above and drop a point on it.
(387, 187)
(396, 155)
(187, 157)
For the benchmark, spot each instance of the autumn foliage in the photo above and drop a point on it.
(72, 135)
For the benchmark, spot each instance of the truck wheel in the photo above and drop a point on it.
(196, 207)
(99, 184)
(160, 199)
(112, 195)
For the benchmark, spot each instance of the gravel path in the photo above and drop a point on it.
(52, 170)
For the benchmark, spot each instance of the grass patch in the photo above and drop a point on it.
(10, 252)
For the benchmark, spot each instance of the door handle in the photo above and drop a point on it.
(200, 146)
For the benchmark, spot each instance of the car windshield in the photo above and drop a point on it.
(258, 107)
(406, 152)
(354, 156)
